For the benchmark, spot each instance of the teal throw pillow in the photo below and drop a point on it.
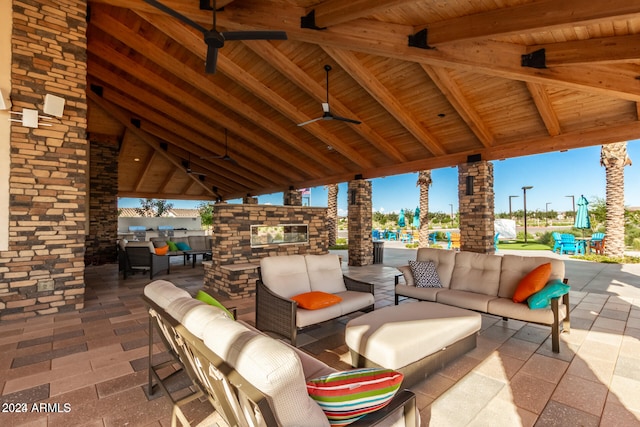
(182, 246)
(208, 299)
(172, 246)
(542, 298)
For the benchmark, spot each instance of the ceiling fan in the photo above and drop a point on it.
(325, 108)
(186, 164)
(214, 38)
(226, 157)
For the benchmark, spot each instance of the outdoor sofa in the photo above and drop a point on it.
(282, 278)
(486, 283)
(249, 378)
(140, 256)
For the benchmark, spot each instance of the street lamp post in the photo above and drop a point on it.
(524, 193)
(510, 214)
(546, 213)
(573, 205)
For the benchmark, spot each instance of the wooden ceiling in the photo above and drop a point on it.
(461, 91)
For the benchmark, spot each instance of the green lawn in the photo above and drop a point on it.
(521, 245)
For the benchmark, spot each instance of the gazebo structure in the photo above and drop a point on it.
(133, 112)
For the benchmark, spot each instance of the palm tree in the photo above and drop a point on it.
(424, 181)
(614, 158)
(332, 214)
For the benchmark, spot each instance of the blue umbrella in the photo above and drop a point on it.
(401, 221)
(416, 218)
(583, 222)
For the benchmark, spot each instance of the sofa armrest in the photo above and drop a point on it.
(275, 313)
(404, 400)
(357, 285)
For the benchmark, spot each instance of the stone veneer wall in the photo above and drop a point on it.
(292, 198)
(43, 270)
(477, 209)
(103, 203)
(360, 223)
(232, 243)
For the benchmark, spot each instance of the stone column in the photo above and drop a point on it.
(292, 197)
(100, 245)
(249, 200)
(360, 223)
(476, 203)
(332, 214)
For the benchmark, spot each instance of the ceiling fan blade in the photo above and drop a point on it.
(212, 59)
(310, 121)
(254, 35)
(176, 15)
(344, 119)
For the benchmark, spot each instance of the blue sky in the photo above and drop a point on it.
(552, 175)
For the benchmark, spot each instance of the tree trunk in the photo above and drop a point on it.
(614, 158)
(424, 181)
(332, 214)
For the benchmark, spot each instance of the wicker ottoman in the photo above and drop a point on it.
(416, 339)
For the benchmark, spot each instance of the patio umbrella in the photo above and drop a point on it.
(416, 218)
(401, 220)
(582, 215)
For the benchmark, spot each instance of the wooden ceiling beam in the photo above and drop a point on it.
(197, 79)
(482, 57)
(124, 119)
(195, 131)
(269, 53)
(545, 108)
(332, 12)
(381, 94)
(606, 50)
(204, 135)
(537, 16)
(145, 169)
(193, 41)
(591, 137)
(450, 89)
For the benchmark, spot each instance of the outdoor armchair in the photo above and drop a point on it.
(141, 256)
(568, 243)
(283, 277)
(557, 244)
(597, 243)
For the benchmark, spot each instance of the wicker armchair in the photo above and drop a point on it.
(141, 256)
(277, 313)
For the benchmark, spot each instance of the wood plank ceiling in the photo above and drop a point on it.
(461, 91)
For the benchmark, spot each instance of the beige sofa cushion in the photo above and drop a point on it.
(197, 319)
(285, 275)
(521, 311)
(271, 366)
(443, 259)
(163, 292)
(425, 294)
(474, 272)
(465, 299)
(515, 267)
(325, 273)
(179, 307)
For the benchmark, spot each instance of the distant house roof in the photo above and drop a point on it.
(182, 213)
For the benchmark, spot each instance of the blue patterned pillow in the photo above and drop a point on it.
(425, 274)
(542, 298)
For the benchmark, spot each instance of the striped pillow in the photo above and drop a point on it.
(349, 395)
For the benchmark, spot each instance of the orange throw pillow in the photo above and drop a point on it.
(315, 299)
(532, 282)
(162, 250)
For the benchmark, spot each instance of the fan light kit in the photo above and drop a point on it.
(215, 39)
(326, 110)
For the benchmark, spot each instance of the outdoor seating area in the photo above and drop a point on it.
(565, 243)
(101, 356)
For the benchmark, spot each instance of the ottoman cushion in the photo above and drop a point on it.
(396, 336)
